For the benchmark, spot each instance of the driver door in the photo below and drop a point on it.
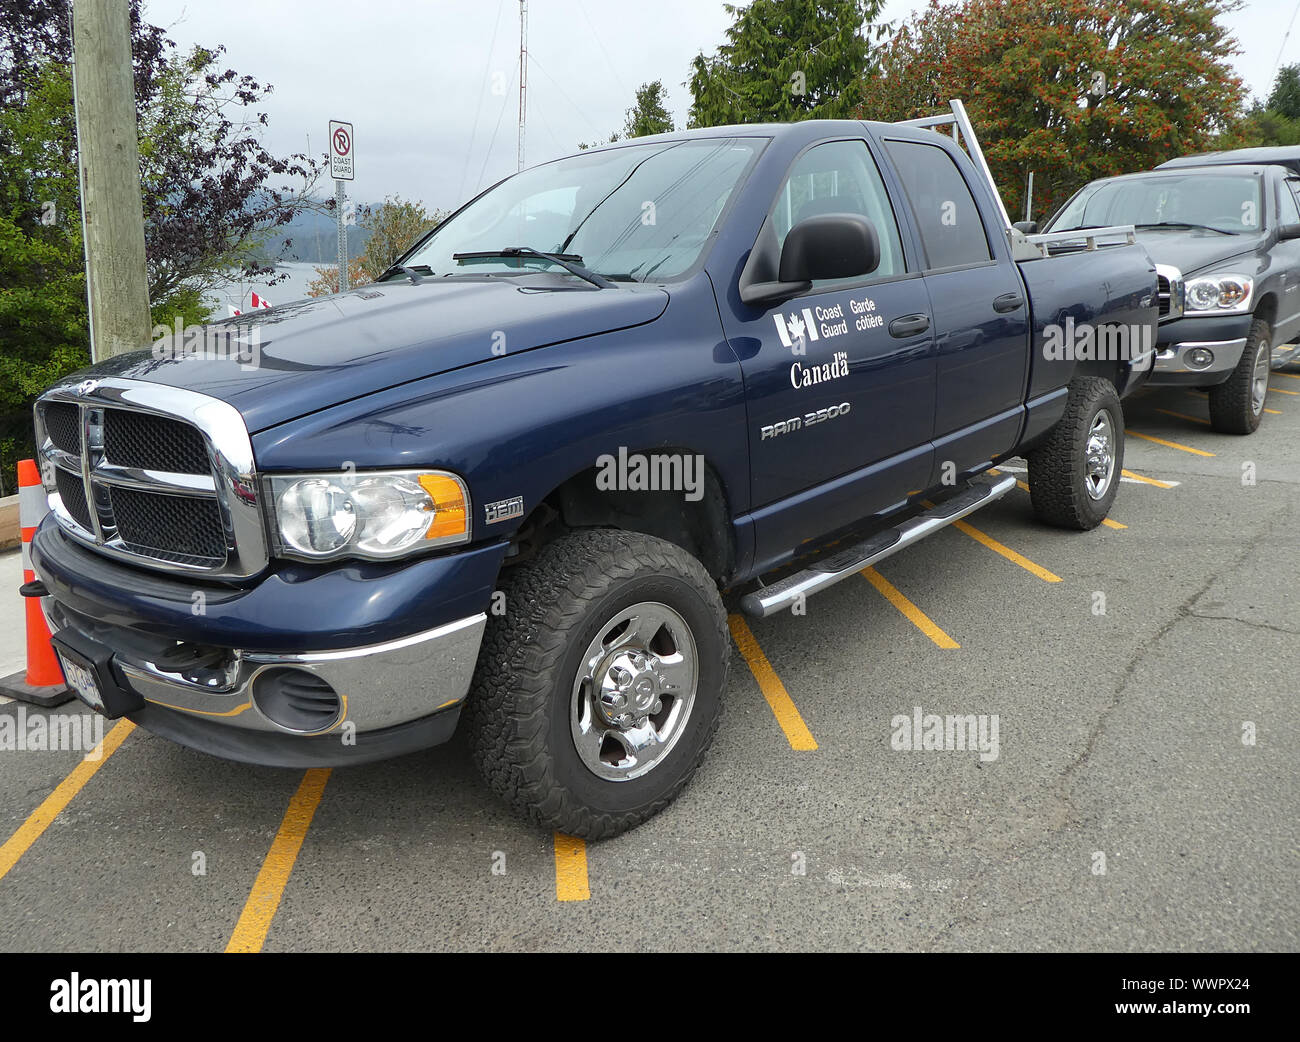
(839, 381)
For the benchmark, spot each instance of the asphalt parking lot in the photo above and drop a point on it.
(1144, 793)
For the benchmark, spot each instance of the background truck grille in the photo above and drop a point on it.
(1162, 294)
(148, 442)
(172, 516)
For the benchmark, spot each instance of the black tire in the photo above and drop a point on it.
(520, 709)
(1234, 409)
(1060, 488)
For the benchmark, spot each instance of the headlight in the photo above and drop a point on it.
(377, 515)
(1220, 293)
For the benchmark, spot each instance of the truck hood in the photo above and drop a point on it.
(308, 355)
(1192, 251)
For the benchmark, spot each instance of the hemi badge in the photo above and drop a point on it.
(503, 510)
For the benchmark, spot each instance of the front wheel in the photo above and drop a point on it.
(1237, 404)
(1074, 474)
(599, 690)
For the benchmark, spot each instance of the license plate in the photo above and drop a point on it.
(81, 678)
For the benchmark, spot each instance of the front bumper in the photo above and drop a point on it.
(368, 699)
(1224, 336)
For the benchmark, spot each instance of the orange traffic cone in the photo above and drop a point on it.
(42, 683)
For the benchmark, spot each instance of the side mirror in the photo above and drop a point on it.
(1026, 227)
(1288, 231)
(828, 246)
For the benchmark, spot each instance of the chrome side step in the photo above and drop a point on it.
(840, 565)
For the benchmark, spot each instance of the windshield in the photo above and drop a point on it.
(636, 213)
(1224, 203)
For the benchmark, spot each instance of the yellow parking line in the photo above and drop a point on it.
(1007, 552)
(1146, 480)
(571, 869)
(1168, 444)
(39, 820)
(1279, 390)
(796, 731)
(1183, 416)
(1289, 376)
(914, 615)
(264, 899)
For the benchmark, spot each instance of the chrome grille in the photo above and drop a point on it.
(168, 527)
(73, 493)
(63, 423)
(162, 476)
(148, 442)
(1169, 292)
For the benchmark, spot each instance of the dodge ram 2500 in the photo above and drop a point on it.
(508, 484)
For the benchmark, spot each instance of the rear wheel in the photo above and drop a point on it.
(1237, 404)
(599, 691)
(1074, 473)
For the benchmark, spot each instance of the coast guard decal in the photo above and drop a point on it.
(793, 329)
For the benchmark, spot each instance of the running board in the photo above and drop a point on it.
(769, 600)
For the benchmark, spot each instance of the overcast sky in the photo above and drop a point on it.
(432, 85)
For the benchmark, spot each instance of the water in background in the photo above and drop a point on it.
(240, 294)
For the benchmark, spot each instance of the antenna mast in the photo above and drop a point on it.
(523, 75)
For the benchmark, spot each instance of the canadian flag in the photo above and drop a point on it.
(258, 302)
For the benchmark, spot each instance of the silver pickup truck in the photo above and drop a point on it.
(1224, 232)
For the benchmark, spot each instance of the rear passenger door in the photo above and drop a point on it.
(981, 316)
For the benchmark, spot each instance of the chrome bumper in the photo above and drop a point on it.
(1171, 359)
(380, 685)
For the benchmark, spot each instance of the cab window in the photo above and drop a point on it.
(840, 177)
(952, 231)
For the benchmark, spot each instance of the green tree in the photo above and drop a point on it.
(1285, 96)
(43, 323)
(1070, 89)
(1264, 126)
(785, 60)
(649, 115)
(394, 225)
(209, 193)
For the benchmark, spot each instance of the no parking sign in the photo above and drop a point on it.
(341, 152)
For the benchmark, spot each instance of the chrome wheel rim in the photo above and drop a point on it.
(1259, 379)
(1100, 455)
(634, 692)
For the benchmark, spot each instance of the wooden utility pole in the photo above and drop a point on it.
(108, 153)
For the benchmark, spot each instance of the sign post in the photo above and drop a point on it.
(342, 168)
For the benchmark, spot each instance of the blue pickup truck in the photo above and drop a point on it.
(512, 481)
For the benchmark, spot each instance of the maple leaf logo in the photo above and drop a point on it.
(794, 325)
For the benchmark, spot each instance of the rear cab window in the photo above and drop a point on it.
(947, 217)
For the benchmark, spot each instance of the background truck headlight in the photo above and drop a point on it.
(376, 515)
(1219, 293)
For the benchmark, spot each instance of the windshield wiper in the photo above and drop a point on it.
(413, 272)
(570, 262)
(1185, 224)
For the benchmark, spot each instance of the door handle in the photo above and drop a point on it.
(909, 325)
(1007, 302)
